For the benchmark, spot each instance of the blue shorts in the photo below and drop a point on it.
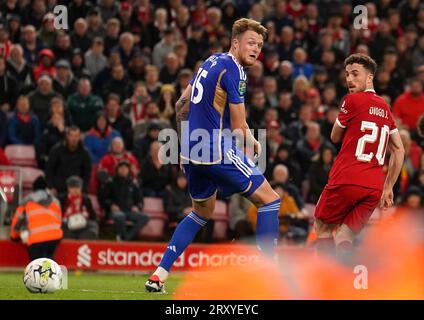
(235, 174)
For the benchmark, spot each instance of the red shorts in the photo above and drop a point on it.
(348, 204)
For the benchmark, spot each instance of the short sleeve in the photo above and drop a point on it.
(234, 83)
(346, 112)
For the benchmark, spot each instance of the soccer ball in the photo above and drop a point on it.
(43, 275)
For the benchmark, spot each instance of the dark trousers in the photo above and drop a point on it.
(139, 220)
(43, 249)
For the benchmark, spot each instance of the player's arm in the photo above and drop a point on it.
(182, 107)
(337, 132)
(240, 127)
(397, 154)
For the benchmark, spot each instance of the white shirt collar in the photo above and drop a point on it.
(370, 90)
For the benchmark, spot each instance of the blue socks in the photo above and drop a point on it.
(267, 227)
(182, 237)
(267, 231)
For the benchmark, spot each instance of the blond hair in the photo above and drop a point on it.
(244, 24)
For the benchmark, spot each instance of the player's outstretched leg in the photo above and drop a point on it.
(324, 244)
(182, 237)
(267, 225)
(344, 244)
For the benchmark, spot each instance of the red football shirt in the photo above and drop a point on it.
(368, 123)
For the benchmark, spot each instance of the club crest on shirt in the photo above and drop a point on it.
(242, 87)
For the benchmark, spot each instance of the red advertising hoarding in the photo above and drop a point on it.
(131, 256)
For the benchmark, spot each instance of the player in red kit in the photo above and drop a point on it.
(357, 183)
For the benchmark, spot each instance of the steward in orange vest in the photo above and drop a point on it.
(38, 221)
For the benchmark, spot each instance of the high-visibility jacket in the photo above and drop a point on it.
(42, 220)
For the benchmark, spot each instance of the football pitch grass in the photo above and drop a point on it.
(89, 286)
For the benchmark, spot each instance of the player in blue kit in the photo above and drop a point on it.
(211, 107)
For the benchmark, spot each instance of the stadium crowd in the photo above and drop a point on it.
(92, 99)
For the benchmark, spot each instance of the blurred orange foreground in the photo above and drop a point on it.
(389, 264)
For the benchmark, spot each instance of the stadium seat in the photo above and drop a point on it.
(9, 182)
(21, 155)
(29, 175)
(155, 228)
(220, 217)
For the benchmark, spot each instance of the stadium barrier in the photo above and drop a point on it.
(130, 256)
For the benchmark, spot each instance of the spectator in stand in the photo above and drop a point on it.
(117, 152)
(151, 77)
(54, 131)
(126, 48)
(79, 217)
(300, 64)
(318, 173)
(418, 54)
(286, 47)
(111, 40)
(271, 91)
(330, 118)
(413, 201)
(78, 64)
(3, 128)
(152, 115)
(170, 69)
(118, 120)
(78, 9)
(84, 105)
(48, 32)
(118, 84)
(94, 58)
(135, 106)
(66, 159)
(79, 37)
(155, 176)
(308, 147)
(45, 65)
(14, 27)
(99, 137)
(23, 127)
(166, 104)
(40, 98)
(19, 68)
(284, 155)
(177, 200)
(95, 24)
(122, 200)
(285, 80)
(297, 129)
(289, 215)
(410, 105)
(63, 47)
(257, 109)
(238, 224)
(162, 48)
(5, 43)
(280, 175)
(64, 82)
(8, 87)
(31, 45)
(142, 144)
